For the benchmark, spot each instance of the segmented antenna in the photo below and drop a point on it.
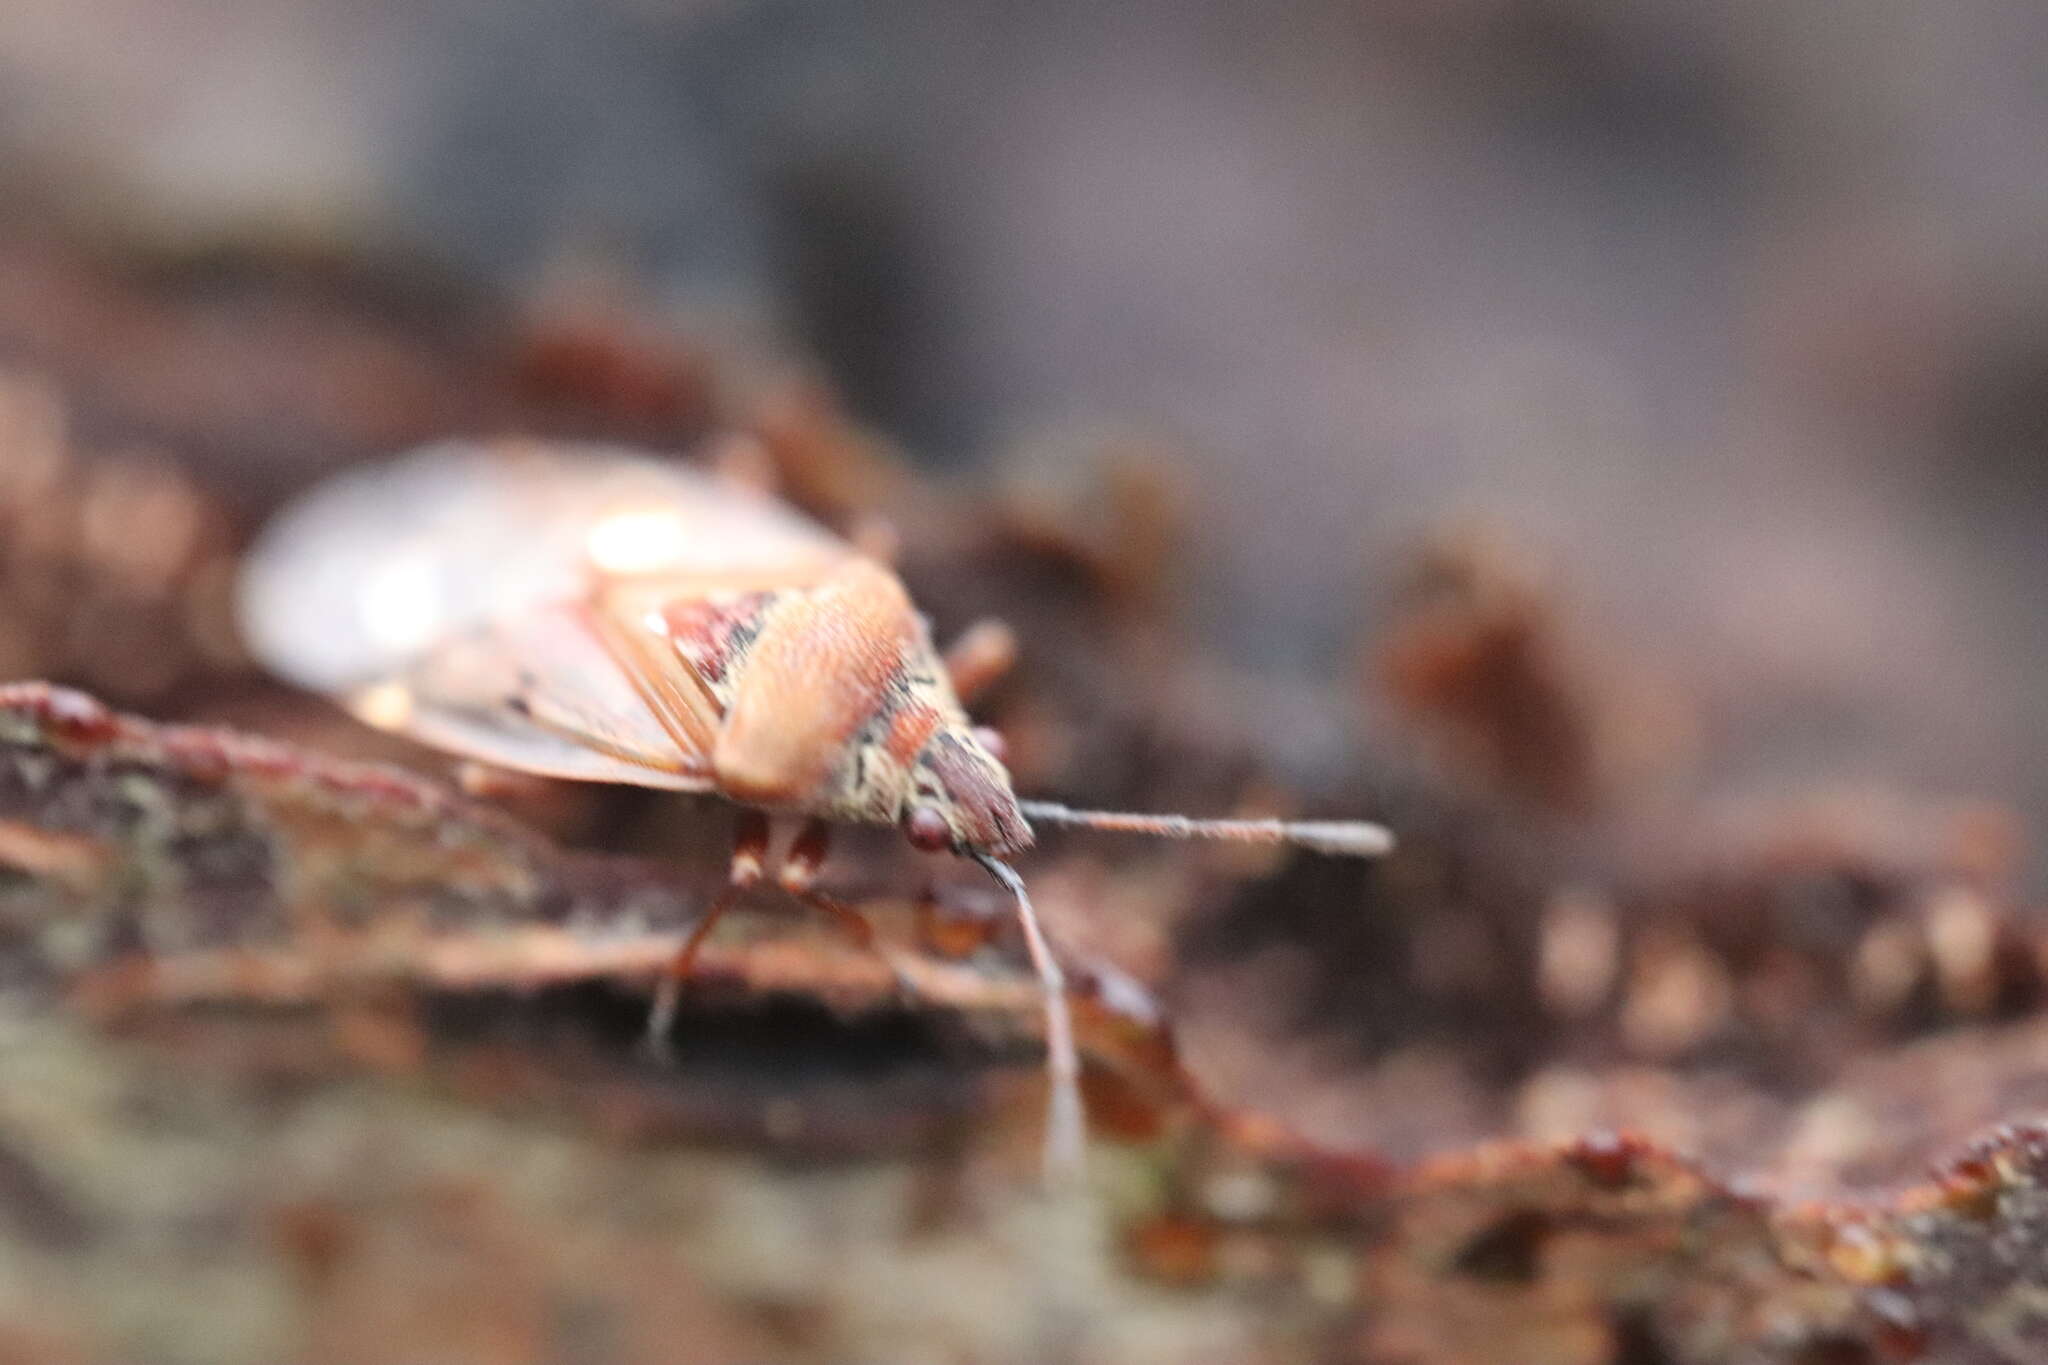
(1337, 838)
(1065, 1128)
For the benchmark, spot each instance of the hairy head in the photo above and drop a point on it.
(960, 799)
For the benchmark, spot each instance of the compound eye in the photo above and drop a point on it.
(928, 830)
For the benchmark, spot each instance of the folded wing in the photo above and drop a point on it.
(446, 594)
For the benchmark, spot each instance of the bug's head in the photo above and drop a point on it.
(960, 799)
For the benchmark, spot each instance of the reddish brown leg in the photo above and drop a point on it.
(800, 869)
(744, 462)
(982, 654)
(877, 539)
(949, 934)
(856, 924)
(749, 857)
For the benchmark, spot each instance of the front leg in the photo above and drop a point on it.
(749, 857)
(798, 874)
(982, 654)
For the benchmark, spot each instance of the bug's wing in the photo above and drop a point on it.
(438, 594)
(537, 693)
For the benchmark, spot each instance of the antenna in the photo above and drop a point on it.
(1065, 1125)
(1337, 838)
(1065, 1128)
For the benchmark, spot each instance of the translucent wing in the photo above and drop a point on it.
(444, 594)
(534, 692)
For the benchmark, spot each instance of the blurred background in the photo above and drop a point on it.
(1605, 440)
(1730, 317)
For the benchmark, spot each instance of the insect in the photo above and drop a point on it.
(598, 614)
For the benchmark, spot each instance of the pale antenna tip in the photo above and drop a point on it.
(1342, 838)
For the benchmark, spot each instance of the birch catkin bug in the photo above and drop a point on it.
(591, 613)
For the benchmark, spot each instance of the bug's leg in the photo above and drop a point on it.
(749, 856)
(983, 653)
(800, 871)
(876, 538)
(744, 462)
(950, 934)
